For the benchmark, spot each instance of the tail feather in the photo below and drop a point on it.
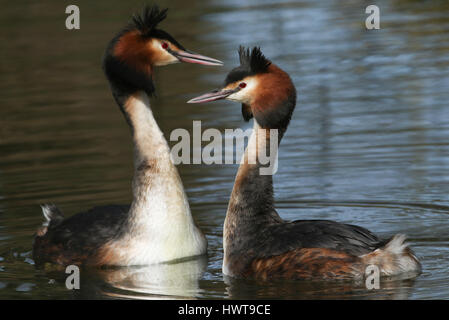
(53, 216)
(394, 258)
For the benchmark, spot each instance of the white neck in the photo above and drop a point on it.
(160, 212)
(261, 152)
(252, 195)
(157, 188)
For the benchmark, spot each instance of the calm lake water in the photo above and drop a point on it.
(368, 143)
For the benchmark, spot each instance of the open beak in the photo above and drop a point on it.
(216, 94)
(190, 57)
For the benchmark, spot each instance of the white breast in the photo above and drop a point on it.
(162, 227)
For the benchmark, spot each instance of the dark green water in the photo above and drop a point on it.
(368, 143)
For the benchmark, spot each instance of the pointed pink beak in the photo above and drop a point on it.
(214, 95)
(190, 57)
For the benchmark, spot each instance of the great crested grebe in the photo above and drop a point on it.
(158, 225)
(257, 242)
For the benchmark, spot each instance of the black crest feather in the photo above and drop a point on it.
(253, 59)
(251, 62)
(147, 21)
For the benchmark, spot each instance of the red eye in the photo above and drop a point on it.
(164, 45)
(242, 85)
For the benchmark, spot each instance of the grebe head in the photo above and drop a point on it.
(265, 91)
(134, 51)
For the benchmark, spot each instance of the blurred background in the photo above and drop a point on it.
(368, 143)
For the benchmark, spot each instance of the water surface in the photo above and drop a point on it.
(368, 143)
